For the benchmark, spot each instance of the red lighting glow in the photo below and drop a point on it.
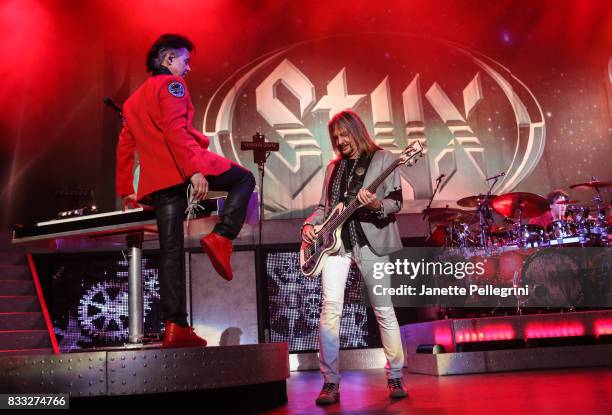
(554, 329)
(603, 327)
(487, 333)
(443, 336)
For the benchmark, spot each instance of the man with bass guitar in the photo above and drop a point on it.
(368, 236)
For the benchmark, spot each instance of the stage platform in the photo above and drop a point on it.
(578, 391)
(497, 344)
(149, 371)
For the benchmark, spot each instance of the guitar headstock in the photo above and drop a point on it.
(412, 153)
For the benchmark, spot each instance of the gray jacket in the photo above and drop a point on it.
(381, 230)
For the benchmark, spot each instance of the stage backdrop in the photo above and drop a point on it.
(521, 88)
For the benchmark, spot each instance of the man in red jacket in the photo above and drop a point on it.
(172, 154)
(557, 200)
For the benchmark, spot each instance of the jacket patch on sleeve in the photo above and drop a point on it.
(176, 89)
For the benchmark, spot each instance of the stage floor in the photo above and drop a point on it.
(585, 391)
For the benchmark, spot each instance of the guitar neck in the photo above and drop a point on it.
(354, 204)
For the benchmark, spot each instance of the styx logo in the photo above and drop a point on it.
(476, 117)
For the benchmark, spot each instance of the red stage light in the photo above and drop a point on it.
(487, 333)
(603, 327)
(554, 329)
(443, 336)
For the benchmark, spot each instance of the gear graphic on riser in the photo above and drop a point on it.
(103, 309)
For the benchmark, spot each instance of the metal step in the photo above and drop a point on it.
(15, 272)
(17, 287)
(21, 352)
(22, 321)
(24, 339)
(19, 303)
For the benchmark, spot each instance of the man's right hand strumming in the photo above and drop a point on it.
(308, 234)
(200, 186)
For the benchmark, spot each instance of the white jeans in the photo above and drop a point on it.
(333, 282)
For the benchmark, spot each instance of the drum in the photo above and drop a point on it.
(530, 234)
(560, 229)
(594, 231)
(490, 265)
(554, 279)
(600, 277)
(447, 236)
(440, 236)
(510, 266)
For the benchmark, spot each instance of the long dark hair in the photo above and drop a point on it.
(354, 125)
(167, 41)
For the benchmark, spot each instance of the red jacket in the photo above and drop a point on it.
(158, 125)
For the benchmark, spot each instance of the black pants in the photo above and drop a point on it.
(170, 205)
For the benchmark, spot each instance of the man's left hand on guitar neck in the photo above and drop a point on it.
(369, 200)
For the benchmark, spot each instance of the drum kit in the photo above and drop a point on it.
(506, 232)
(475, 225)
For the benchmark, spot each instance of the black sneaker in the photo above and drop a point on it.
(396, 388)
(330, 393)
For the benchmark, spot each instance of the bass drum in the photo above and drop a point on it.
(439, 237)
(510, 266)
(444, 236)
(554, 279)
(600, 277)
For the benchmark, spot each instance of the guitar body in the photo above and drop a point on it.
(327, 242)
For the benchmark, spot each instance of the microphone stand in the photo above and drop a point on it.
(261, 150)
(108, 101)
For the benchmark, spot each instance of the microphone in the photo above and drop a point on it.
(439, 179)
(497, 176)
(109, 101)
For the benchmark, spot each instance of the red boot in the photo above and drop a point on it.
(178, 336)
(219, 249)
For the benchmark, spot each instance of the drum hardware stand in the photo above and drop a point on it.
(484, 212)
(601, 217)
(515, 282)
(496, 307)
(521, 241)
(438, 183)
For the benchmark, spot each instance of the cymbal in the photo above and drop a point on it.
(448, 215)
(567, 202)
(473, 201)
(593, 184)
(497, 230)
(523, 204)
